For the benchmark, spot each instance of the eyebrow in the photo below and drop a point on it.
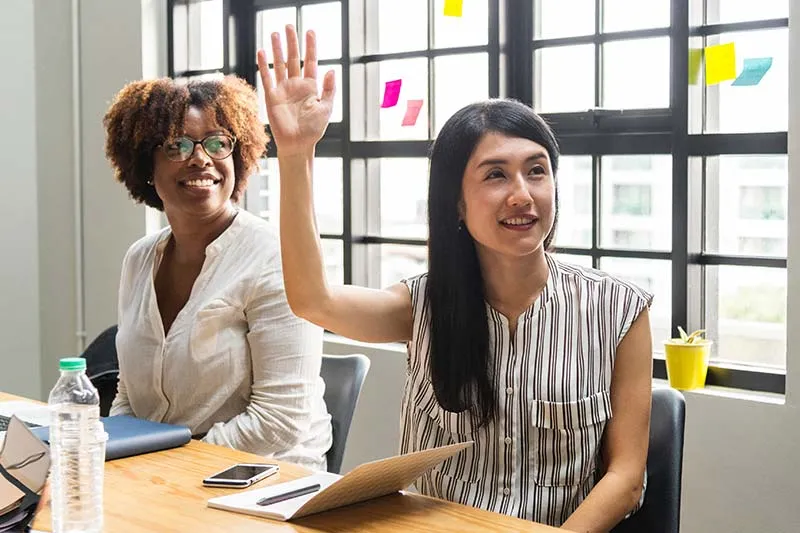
(206, 134)
(534, 157)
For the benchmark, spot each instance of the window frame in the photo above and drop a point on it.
(596, 132)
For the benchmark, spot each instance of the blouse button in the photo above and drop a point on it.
(509, 391)
(506, 491)
(508, 440)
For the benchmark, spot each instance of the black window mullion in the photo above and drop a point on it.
(679, 103)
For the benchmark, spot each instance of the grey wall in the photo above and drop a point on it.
(19, 241)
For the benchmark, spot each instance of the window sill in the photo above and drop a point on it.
(727, 392)
(336, 344)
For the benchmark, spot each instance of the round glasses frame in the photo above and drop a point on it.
(202, 142)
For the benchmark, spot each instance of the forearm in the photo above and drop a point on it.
(606, 505)
(121, 405)
(257, 432)
(301, 250)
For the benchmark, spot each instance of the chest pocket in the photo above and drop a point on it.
(566, 439)
(212, 326)
(437, 427)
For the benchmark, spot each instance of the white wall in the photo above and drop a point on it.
(19, 240)
(39, 302)
(111, 56)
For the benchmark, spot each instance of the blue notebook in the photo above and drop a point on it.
(129, 436)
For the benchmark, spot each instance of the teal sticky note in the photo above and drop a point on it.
(753, 71)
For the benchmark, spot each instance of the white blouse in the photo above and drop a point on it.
(540, 456)
(236, 365)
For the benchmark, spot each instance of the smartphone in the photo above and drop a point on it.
(241, 475)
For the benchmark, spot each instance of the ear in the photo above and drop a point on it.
(462, 210)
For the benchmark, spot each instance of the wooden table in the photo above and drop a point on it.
(163, 491)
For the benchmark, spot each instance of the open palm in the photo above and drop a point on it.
(298, 114)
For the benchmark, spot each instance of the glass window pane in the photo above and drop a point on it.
(327, 193)
(326, 21)
(562, 18)
(756, 108)
(636, 74)
(746, 10)
(558, 88)
(404, 197)
(205, 35)
(746, 314)
(180, 37)
(470, 29)
(451, 93)
(623, 15)
(654, 276)
(574, 202)
(269, 21)
(333, 256)
(746, 205)
(636, 202)
(580, 260)
(414, 73)
(398, 261)
(402, 26)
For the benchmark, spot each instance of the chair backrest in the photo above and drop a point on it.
(343, 375)
(661, 510)
(102, 367)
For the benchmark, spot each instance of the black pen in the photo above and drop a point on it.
(269, 500)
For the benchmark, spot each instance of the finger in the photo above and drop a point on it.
(277, 58)
(263, 70)
(293, 49)
(310, 66)
(329, 88)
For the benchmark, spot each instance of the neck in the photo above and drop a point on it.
(191, 235)
(512, 284)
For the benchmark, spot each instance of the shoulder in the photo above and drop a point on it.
(254, 239)
(606, 286)
(144, 247)
(255, 228)
(416, 284)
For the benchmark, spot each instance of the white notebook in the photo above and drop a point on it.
(366, 481)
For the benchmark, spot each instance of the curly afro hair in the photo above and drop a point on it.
(144, 114)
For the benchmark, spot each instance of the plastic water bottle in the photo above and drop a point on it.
(77, 451)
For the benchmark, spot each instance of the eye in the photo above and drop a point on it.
(538, 170)
(494, 174)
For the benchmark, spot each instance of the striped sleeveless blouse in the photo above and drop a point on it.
(539, 458)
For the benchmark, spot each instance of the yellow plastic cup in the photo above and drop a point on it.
(687, 364)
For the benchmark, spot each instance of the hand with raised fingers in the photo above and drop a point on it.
(298, 114)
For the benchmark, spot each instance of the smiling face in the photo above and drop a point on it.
(508, 198)
(200, 187)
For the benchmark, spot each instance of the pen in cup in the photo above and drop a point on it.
(269, 500)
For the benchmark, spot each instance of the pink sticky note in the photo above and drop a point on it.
(412, 112)
(391, 94)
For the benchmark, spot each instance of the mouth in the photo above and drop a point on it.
(519, 223)
(202, 181)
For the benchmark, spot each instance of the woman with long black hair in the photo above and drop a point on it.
(509, 347)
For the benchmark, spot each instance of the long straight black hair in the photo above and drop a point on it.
(460, 365)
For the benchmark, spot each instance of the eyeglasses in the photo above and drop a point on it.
(217, 146)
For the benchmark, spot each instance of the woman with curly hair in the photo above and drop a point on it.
(206, 337)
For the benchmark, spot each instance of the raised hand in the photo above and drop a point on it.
(298, 114)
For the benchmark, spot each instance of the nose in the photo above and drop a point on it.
(199, 157)
(519, 193)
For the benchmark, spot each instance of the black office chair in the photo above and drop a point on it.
(661, 510)
(343, 376)
(102, 367)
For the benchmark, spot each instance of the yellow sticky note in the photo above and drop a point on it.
(453, 8)
(720, 63)
(695, 60)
